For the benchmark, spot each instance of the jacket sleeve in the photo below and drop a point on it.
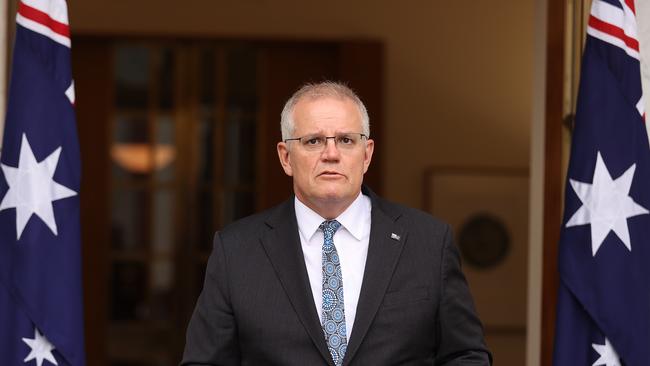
(212, 332)
(460, 330)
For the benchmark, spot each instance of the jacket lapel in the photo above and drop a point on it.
(386, 241)
(282, 246)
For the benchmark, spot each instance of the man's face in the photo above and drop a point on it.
(331, 177)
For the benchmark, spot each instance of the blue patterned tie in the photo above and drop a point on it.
(333, 310)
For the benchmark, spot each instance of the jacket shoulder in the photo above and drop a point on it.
(253, 226)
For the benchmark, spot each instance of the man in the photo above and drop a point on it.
(335, 275)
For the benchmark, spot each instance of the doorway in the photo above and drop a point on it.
(178, 140)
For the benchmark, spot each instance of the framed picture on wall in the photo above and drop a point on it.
(488, 211)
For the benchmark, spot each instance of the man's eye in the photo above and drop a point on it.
(313, 141)
(346, 140)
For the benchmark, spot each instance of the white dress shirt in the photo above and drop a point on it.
(351, 241)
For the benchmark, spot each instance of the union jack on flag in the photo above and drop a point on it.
(41, 313)
(603, 309)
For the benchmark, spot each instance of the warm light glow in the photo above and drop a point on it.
(142, 158)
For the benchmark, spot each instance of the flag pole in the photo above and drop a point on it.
(4, 48)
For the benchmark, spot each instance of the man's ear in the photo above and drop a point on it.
(285, 159)
(370, 147)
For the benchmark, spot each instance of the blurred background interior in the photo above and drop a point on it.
(178, 106)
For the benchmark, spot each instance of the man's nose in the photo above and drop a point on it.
(331, 151)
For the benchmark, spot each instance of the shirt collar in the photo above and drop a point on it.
(352, 219)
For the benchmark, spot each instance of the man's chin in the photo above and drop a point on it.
(334, 194)
(332, 190)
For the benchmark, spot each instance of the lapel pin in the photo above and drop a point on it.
(395, 236)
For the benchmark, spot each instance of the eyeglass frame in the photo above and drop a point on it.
(362, 135)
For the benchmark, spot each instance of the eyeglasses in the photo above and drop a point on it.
(343, 141)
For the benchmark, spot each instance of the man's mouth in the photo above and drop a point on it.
(329, 174)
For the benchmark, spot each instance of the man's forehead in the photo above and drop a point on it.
(326, 111)
(311, 101)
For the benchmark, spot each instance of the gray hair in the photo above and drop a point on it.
(316, 91)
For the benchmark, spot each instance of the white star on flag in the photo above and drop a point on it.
(32, 188)
(606, 205)
(41, 349)
(607, 353)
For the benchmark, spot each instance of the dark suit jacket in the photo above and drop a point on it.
(257, 308)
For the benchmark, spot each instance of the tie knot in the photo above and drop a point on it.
(329, 227)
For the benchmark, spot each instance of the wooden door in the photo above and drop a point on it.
(178, 139)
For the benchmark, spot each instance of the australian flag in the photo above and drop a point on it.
(603, 311)
(41, 314)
